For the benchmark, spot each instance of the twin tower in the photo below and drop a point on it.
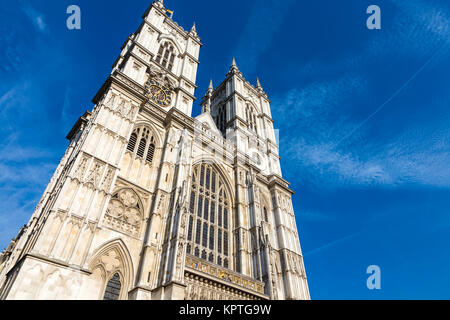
(151, 203)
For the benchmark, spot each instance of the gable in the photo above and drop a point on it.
(207, 119)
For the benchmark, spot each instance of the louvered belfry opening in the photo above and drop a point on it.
(146, 147)
(166, 55)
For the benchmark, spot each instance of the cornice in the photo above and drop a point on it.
(188, 81)
(143, 48)
(80, 122)
(186, 92)
(276, 180)
(181, 118)
(186, 53)
(264, 115)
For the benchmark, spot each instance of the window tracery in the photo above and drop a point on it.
(124, 212)
(209, 214)
(251, 117)
(113, 287)
(166, 55)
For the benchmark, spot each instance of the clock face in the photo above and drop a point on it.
(158, 93)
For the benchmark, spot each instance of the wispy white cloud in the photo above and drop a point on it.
(36, 18)
(399, 163)
(315, 113)
(433, 19)
(16, 207)
(326, 113)
(18, 153)
(24, 173)
(417, 30)
(332, 244)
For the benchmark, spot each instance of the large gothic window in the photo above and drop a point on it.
(142, 144)
(209, 216)
(166, 55)
(112, 291)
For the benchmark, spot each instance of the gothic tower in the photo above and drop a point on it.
(151, 203)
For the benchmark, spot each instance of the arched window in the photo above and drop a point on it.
(251, 118)
(113, 287)
(221, 118)
(266, 218)
(146, 144)
(209, 214)
(150, 152)
(166, 55)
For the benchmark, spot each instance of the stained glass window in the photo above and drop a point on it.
(209, 208)
(112, 291)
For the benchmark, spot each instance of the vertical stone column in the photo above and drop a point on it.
(241, 220)
(177, 239)
(149, 272)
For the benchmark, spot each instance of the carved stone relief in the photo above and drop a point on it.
(124, 212)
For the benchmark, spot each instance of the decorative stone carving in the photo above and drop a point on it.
(161, 76)
(95, 174)
(110, 101)
(224, 274)
(124, 212)
(160, 203)
(179, 258)
(199, 288)
(124, 108)
(111, 261)
(107, 181)
(79, 172)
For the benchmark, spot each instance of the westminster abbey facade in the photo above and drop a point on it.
(151, 203)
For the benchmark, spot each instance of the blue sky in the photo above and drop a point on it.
(364, 119)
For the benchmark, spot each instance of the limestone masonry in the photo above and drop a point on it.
(150, 203)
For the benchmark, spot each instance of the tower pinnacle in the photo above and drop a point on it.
(234, 68)
(206, 103)
(258, 84)
(193, 30)
(159, 3)
(210, 88)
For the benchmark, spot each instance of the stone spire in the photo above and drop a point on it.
(234, 68)
(210, 88)
(233, 64)
(159, 3)
(258, 84)
(206, 103)
(259, 88)
(193, 31)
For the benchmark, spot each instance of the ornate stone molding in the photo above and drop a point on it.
(226, 275)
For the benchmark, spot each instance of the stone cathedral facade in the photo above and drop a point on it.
(151, 203)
